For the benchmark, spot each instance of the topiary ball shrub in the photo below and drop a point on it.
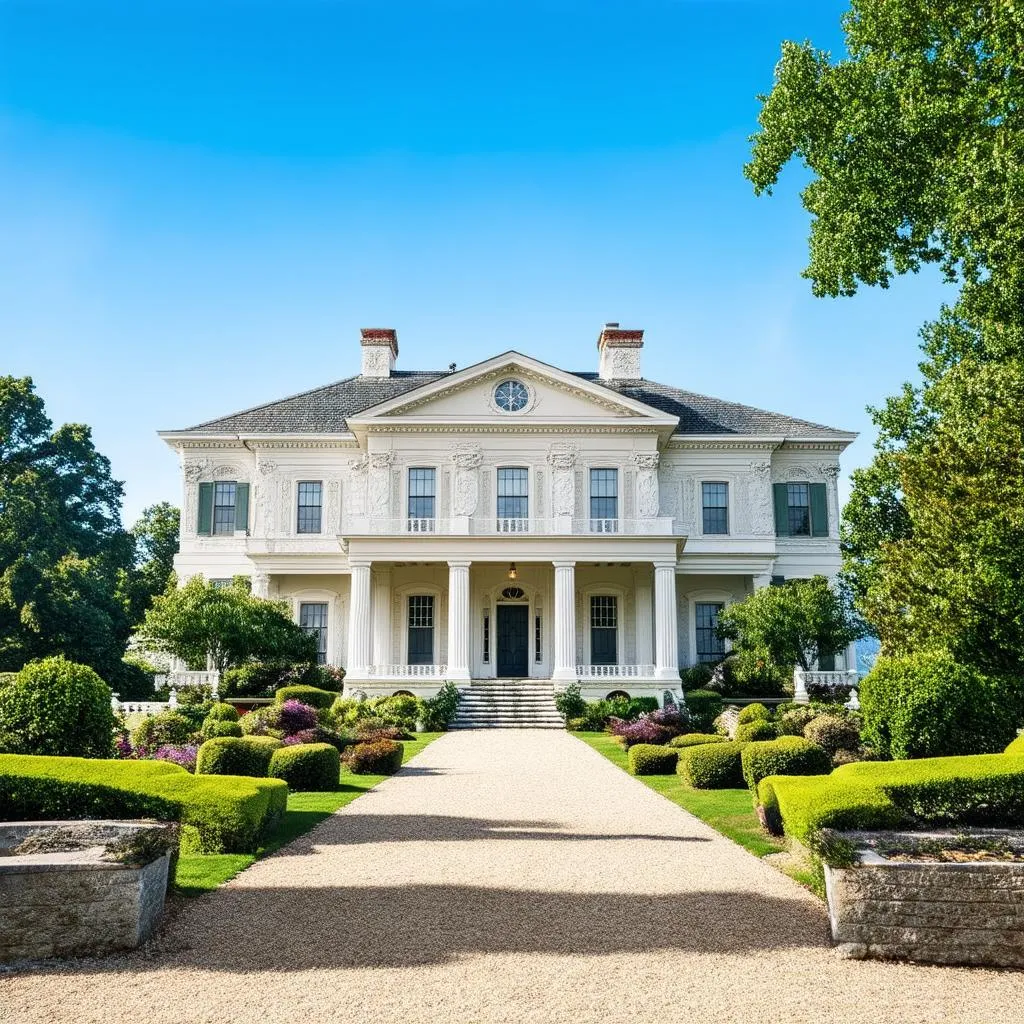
(928, 705)
(754, 713)
(712, 765)
(648, 759)
(308, 767)
(166, 727)
(704, 707)
(383, 757)
(213, 727)
(788, 755)
(695, 739)
(748, 732)
(228, 755)
(222, 712)
(793, 721)
(401, 710)
(57, 707)
(310, 695)
(833, 733)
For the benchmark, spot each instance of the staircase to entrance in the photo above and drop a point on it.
(508, 704)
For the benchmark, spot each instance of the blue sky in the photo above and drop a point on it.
(202, 203)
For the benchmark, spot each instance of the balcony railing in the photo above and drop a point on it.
(833, 678)
(489, 526)
(615, 671)
(180, 680)
(407, 671)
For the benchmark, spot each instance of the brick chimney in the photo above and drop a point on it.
(619, 353)
(380, 350)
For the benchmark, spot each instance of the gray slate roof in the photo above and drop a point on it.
(324, 410)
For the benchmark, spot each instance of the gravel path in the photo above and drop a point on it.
(506, 876)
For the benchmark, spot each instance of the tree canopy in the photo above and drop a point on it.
(155, 535)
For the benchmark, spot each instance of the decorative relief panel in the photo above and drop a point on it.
(358, 474)
(562, 459)
(379, 488)
(759, 499)
(466, 458)
(647, 484)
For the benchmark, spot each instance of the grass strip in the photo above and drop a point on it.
(199, 873)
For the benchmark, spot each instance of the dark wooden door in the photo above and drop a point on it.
(513, 640)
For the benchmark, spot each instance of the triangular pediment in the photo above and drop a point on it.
(554, 397)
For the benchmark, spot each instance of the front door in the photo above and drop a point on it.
(513, 640)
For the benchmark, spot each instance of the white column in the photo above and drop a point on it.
(565, 620)
(644, 617)
(359, 622)
(666, 655)
(762, 580)
(382, 617)
(458, 620)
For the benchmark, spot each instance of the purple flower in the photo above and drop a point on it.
(294, 716)
(184, 755)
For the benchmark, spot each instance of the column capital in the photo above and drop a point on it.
(459, 563)
(665, 563)
(360, 563)
(564, 563)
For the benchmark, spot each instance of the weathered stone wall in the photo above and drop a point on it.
(947, 913)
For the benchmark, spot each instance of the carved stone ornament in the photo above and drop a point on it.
(382, 460)
(260, 584)
(761, 469)
(829, 470)
(646, 460)
(563, 493)
(466, 493)
(467, 456)
(647, 495)
(265, 467)
(358, 465)
(194, 469)
(562, 455)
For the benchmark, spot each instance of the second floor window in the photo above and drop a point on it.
(716, 507)
(224, 494)
(422, 493)
(223, 508)
(310, 506)
(801, 509)
(604, 498)
(513, 493)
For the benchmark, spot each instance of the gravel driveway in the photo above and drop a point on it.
(506, 876)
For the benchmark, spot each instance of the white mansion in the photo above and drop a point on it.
(511, 519)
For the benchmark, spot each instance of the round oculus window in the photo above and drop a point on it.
(511, 396)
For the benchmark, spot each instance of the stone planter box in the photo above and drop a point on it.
(964, 912)
(78, 901)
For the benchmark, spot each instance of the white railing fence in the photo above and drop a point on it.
(834, 678)
(183, 680)
(407, 671)
(491, 525)
(615, 671)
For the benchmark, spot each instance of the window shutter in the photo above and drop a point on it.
(205, 518)
(242, 507)
(819, 511)
(781, 510)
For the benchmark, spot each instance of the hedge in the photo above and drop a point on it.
(214, 727)
(788, 755)
(979, 789)
(311, 695)
(311, 767)
(758, 729)
(704, 707)
(383, 757)
(754, 713)
(218, 815)
(695, 739)
(650, 759)
(222, 712)
(1016, 747)
(243, 755)
(712, 765)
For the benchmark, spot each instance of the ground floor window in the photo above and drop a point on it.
(710, 647)
(313, 619)
(421, 629)
(604, 629)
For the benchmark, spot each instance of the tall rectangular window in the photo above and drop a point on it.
(487, 639)
(313, 619)
(310, 511)
(422, 498)
(538, 654)
(715, 497)
(710, 646)
(604, 500)
(604, 629)
(798, 500)
(513, 498)
(224, 506)
(421, 629)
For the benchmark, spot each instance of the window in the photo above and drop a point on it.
(422, 498)
(513, 499)
(801, 509)
(604, 500)
(716, 507)
(710, 646)
(220, 583)
(536, 639)
(798, 502)
(511, 396)
(310, 506)
(487, 639)
(604, 628)
(224, 506)
(421, 629)
(313, 619)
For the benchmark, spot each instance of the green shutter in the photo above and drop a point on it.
(242, 507)
(819, 511)
(781, 510)
(205, 509)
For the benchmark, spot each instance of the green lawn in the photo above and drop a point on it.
(199, 872)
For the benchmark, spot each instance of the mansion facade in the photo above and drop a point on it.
(511, 519)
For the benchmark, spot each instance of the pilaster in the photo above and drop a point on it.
(565, 620)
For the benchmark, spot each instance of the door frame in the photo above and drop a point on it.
(527, 638)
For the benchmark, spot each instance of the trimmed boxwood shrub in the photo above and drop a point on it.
(927, 705)
(832, 733)
(754, 713)
(221, 712)
(712, 765)
(1016, 747)
(244, 755)
(310, 767)
(704, 707)
(757, 729)
(168, 726)
(218, 815)
(695, 739)
(648, 759)
(55, 706)
(311, 695)
(788, 755)
(401, 710)
(214, 727)
(382, 757)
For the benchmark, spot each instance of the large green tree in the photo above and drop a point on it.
(156, 543)
(914, 141)
(65, 561)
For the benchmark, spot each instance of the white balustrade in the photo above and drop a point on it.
(407, 671)
(183, 680)
(603, 526)
(421, 526)
(481, 526)
(833, 677)
(615, 671)
(512, 525)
